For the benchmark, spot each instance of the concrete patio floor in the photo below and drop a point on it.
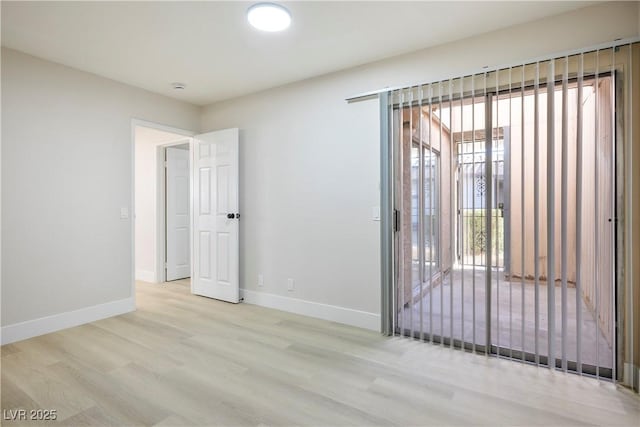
(507, 316)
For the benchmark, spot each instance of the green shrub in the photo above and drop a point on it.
(474, 225)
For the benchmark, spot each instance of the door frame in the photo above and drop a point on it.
(627, 370)
(392, 269)
(160, 253)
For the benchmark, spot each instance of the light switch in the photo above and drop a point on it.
(375, 213)
(124, 213)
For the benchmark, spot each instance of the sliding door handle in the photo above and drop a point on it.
(231, 216)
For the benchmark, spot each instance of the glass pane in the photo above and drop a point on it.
(445, 247)
(415, 213)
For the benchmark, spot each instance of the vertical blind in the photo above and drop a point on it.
(509, 193)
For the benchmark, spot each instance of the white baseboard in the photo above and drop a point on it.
(44, 325)
(348, 316)
(146, 276)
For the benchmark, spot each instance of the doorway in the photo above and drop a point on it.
(162, 203)
(505, 207)
(186, 199)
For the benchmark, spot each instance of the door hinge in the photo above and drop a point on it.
(166, 164)
(396, 220)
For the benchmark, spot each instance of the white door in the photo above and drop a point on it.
(177, 201)
(216, 216)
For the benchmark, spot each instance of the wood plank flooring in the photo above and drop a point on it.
(187, 360)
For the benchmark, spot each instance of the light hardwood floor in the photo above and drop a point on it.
(187, 360)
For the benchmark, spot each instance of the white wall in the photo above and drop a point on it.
(308, 183)
(145, 208)
(66, 172)
(309, 173)
(148, 219)
(310, 163)
(577, 29)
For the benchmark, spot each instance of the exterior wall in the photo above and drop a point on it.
(597, 228)
(439, 136)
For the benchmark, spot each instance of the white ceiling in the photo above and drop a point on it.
(210, 47)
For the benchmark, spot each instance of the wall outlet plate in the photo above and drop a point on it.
(290, 285)
(260, 280)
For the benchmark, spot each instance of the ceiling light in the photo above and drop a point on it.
(178, 85)
(269, 17)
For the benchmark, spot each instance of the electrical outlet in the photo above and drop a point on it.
(290, 285)
(260, 280)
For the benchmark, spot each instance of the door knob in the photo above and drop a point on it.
(231, 216)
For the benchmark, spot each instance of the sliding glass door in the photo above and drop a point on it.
(505, 198)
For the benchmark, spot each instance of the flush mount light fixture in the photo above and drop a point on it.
(269, 17)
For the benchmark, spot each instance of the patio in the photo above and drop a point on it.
(445, 302)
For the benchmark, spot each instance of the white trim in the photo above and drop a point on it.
(347, 316)
(146, 276)
(170, 129)
(159, 238)
(56, 322)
